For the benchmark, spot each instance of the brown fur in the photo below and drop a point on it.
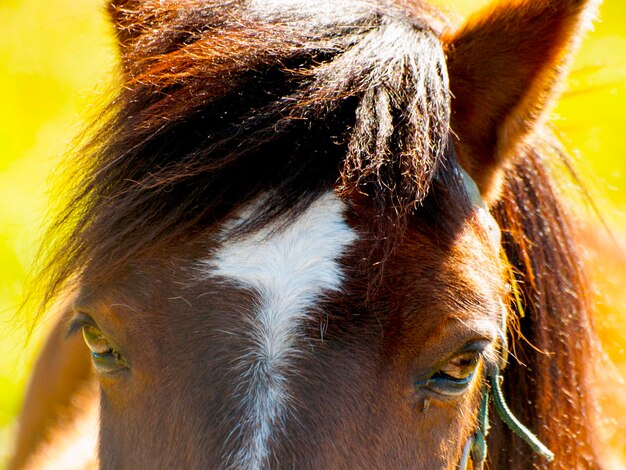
(221, 105)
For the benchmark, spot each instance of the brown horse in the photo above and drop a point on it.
(298, 234)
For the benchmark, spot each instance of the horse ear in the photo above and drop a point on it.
(505, 67)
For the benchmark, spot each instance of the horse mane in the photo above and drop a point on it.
(220, 105)
(548, 383)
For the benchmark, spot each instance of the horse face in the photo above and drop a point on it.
(285, 348)
(326, 336)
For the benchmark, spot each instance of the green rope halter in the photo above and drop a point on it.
(513, 423)
(476, 446)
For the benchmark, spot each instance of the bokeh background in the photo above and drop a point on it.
(57, 65)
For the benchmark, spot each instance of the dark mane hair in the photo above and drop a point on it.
(221, 103)
(547, 384)
(181, 146)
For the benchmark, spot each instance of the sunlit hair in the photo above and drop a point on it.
(310, 103)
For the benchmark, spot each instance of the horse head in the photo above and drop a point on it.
(304, 228)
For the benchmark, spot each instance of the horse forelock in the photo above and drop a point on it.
(223, 104)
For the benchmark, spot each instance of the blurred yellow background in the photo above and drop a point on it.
(57, 62)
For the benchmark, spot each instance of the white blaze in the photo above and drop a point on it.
(290, 269)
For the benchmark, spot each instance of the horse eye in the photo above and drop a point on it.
(461, 367)
(454, 377)
(105, 357)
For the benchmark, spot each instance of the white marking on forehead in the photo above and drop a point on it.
(290, 268)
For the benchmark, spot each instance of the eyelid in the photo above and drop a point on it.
(78, 320)
(487, 351)
(481, 346)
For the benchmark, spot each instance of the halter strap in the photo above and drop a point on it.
(513, 423)
(475, 448)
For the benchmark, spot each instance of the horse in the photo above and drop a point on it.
(315, 234)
